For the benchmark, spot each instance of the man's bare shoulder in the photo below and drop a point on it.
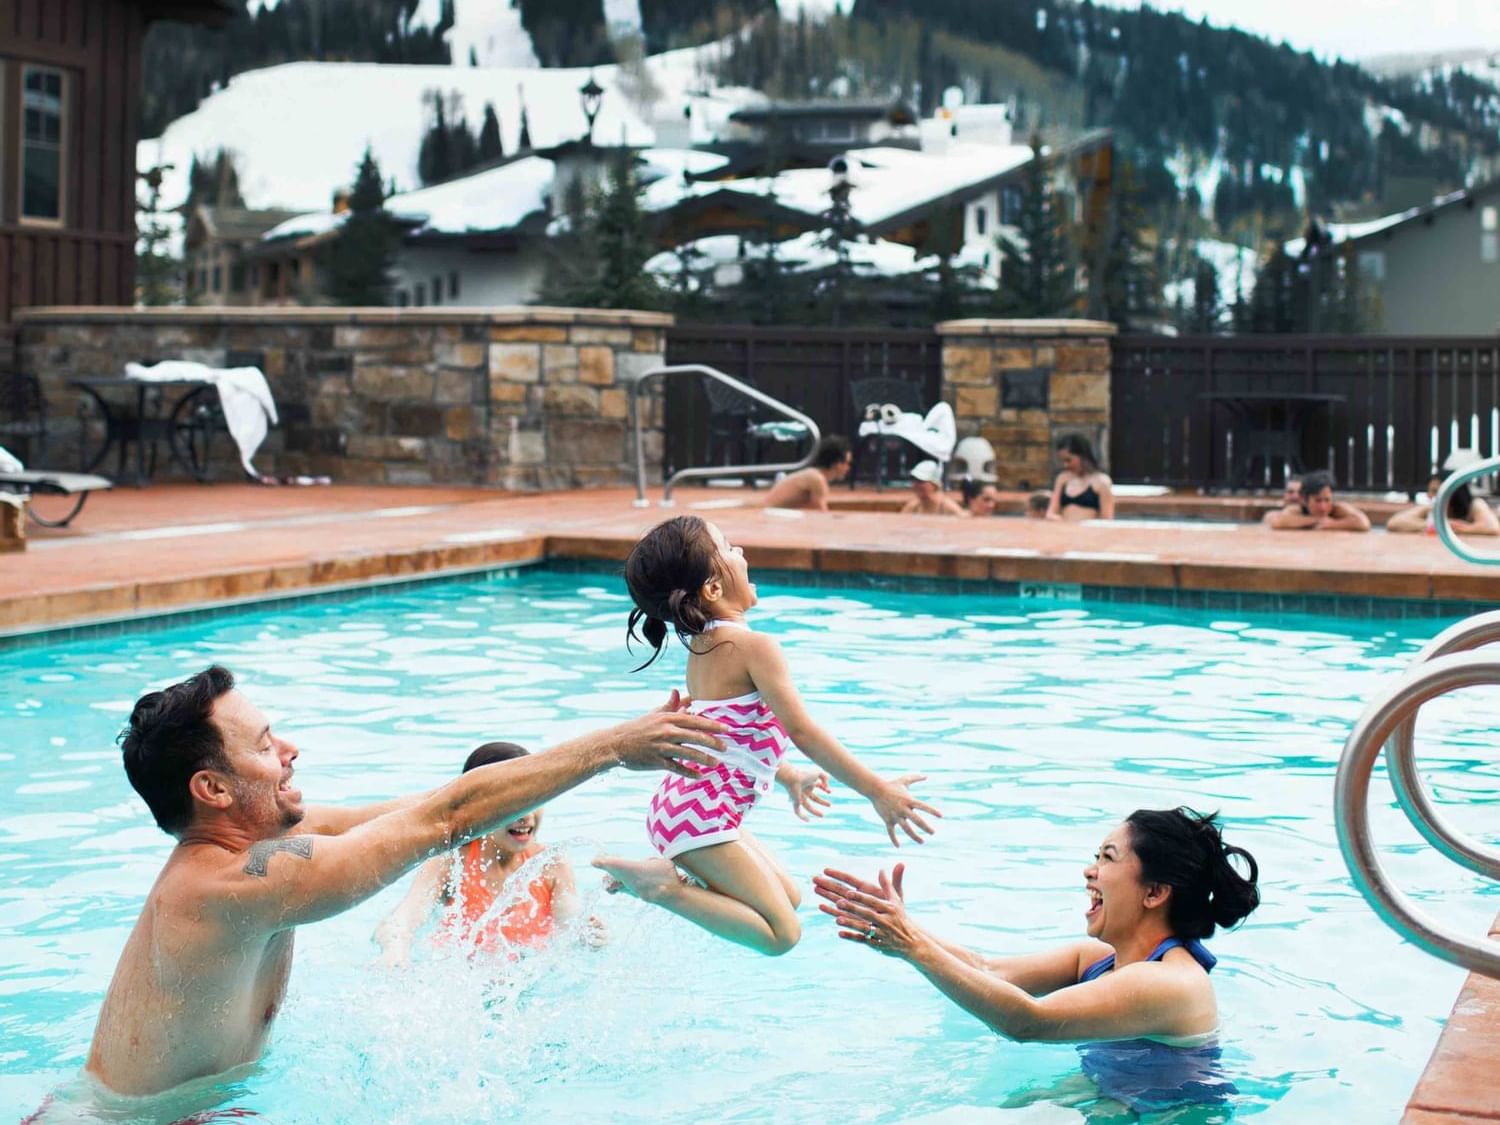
(209, 873)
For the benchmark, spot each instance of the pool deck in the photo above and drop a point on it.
(137, 552)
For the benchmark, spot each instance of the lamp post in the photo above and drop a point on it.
(591, 94)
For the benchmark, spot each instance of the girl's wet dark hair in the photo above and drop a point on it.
(1460, 502)
(665, 575)
(1079, 446)
(1182, 849)
(491, 752)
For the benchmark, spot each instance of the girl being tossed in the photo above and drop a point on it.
(685, 576)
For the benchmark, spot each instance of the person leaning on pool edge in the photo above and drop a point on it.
(1467, 514)
(809, 488)
(204, 972)
(1318, 510)
(1160, 884)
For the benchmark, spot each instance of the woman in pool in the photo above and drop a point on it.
(684, 576)
(1082, 491)
(466, 884)
(981, 498)
(1467, 513)
(1136, 993)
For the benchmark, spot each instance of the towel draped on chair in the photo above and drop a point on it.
(935, 435)
(244, 396)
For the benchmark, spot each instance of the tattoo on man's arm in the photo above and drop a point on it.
(259, 856)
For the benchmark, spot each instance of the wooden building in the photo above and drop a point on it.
(70, 81)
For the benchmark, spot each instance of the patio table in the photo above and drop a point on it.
(1273, 424)
(147, 412)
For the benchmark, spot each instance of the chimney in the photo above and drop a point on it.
(340, 200)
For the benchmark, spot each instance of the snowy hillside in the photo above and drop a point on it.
(298, 131)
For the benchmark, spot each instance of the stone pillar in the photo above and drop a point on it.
(1021, 384)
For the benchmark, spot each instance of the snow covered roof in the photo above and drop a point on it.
(494, 199)
(888, 182)
(804, 253)
(1352, 232)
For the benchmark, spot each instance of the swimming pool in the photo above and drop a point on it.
(1039, 727)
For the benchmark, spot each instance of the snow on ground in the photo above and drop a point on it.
(1235, 266)
(886, 181)
(298, 131)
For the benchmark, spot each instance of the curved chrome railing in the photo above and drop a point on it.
(1395, 707)
(1447, 663)
(745, 389)
(1483, 468)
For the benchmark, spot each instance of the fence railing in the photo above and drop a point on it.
(810, 369)
(1403, 404)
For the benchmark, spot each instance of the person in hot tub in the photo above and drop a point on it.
(1135, 995)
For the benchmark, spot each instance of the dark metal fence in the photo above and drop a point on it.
(808, 368)
(1382, 413)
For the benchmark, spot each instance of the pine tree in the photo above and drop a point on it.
(435, 157)
(490, 145)
(571, 273)
(839, 230)
(523, 142)
(357, 263)
(624, 243)
(157, 271)
(1207, 307)
(1130, 287)
(1036, 278)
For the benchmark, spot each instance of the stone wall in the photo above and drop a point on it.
(523, 398)
(1022, 384)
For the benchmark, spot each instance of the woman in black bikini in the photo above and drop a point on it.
(1082, 490)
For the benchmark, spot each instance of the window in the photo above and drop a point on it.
(437, 289)
(981, 220)
(1010, 206)
(236, 278)
(1489, 218)
(403, 298)
(1489, 247)
(419, 297)
(218, 279)
(42, 144)
(453, 286)
(1372, 265)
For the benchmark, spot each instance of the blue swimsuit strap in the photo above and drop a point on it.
(1192, 945)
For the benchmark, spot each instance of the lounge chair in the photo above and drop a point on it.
(31, 482)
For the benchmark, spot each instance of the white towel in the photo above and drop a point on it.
(9, 462)
(935, 435)
(244, 395)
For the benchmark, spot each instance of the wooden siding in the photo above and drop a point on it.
(90, 258)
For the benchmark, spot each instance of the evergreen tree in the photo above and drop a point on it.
(157, 271)
(490, 145)
(624, 242)
(839, 230)
(1206, 309)
(1129, 280)
(357, 263)
(571, 273)
(1036, 277)
(448, 148)
(215, 183)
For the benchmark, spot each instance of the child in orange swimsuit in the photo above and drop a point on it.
(467, 882)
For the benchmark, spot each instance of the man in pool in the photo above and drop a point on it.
(205, 970)
(1317, 510)
(808, 488)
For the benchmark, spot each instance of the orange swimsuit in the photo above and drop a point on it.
(527, 921)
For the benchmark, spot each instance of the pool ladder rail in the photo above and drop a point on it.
(1448, 662)
(809, 428)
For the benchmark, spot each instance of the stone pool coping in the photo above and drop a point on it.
(1461, 1083)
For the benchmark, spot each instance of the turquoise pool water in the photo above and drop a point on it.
(1038, 725)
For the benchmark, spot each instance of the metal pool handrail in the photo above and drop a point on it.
(1395, 710)
(714, 471)
(1440, 512)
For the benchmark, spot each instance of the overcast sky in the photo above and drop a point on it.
(1352, 28)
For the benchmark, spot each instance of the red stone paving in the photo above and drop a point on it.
(289, 537)
(1462, 1079)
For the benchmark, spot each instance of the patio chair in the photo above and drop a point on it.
(731, 425)
(74, 488)
(877, 392)
(23, 417)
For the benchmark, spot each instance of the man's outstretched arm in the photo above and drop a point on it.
(289, 880)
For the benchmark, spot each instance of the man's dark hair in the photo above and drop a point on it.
(492, 752)
(831, 450)
(170, 737)
(1315, 482)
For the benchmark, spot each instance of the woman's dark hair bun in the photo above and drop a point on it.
(1185, 850)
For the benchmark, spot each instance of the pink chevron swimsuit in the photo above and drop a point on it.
(694, 812)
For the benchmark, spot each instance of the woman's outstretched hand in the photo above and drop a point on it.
(899, 809)
(872, 914)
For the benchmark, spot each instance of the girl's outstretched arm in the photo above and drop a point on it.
(396, 930)
(897, 807)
